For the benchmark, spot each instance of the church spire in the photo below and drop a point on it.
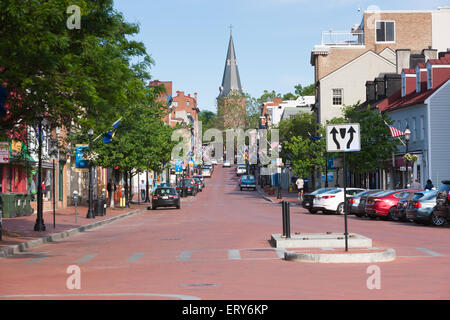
(231, 80)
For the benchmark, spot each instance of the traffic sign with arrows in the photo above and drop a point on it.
(343, 137)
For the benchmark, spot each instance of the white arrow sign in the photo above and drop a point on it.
(343, 137)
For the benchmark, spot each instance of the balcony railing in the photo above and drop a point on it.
(342, 38)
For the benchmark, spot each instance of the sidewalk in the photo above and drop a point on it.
(19, 231)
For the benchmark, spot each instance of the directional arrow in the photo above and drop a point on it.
(334, 133)
(352, 132)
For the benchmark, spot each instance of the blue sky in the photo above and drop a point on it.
(273, 39)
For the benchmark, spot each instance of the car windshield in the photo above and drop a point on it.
(251, 178)
(334, 191)
(363, 193)
(165, 191)
(187, 183)
(322, 190)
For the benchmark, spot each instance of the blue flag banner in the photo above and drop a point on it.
(3, 95)
(108, 136)
(314, 138)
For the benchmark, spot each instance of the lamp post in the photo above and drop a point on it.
(407, 137)
(39, 225)
(90, 213)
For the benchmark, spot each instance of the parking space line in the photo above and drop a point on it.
(431, 253)
(234, 255)
(87, 258)
(135, 257)
(185, 256)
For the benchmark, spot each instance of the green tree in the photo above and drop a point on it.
(305, 91)
(208, 120)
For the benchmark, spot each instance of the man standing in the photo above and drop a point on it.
(300, 184)
(110, 189)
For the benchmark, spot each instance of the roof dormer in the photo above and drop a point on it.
(438, 71)
(421, 77)
(408, 81)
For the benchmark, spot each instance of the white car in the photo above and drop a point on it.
(333, 200)
(226, 164)
(206, 172)
(241, 169)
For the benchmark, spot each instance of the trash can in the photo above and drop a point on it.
(100, 207)
(8, 205)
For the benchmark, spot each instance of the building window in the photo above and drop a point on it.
(422, 128)
(188, 103)
(429, 76)
(403, 84)
(337, 97)
(175, 104)
(385, 31)
(414, 129)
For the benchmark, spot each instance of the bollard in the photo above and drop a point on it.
(283, 216)
(288, 220)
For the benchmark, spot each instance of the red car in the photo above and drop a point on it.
(383, 204)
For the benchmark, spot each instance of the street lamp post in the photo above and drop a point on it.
(407, 137)
(39, 225)
(90, 213)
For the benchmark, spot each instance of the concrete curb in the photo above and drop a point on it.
(370, 257)
(262, 195)
(11, 250)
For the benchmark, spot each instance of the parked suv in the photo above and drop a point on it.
(442, 208)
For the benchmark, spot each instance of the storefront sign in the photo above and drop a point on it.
(81, 164)
(16, 148)
(4, 152)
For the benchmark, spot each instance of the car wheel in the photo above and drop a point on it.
(391, 215)
(178, 206)
(359, 215)
(154, 207)
(312, 211)
(436, 221)
(241, 188)
(340, 208)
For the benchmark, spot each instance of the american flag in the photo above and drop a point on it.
(395, 132)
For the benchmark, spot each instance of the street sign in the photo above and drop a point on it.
(343, 137)
(4, 152)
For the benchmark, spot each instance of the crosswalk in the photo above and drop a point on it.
(243, 254)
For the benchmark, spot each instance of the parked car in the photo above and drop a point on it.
(199, 183)
(383, 205)
(333, 200)
(213, 161)
(402, 204)
(206, 172)
(442, 208)
(420, 209)
(165, 197)
(247, 181)
(353, 202)
(308, 199)
(226, 164)
(241, 169)
(165, 185)
(363, 202)
(208, 166)
(202, 179)
(191, 188)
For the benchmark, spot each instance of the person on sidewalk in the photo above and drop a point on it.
(300, 183)
(429, 185)
(142, 186)
(110, 187)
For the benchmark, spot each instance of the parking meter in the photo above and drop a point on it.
(75, 200)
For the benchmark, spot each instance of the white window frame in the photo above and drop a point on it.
(414, 129)
(376, 22)
(341, 96)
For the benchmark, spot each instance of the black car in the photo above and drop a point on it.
(191, 188)
(308, 199)
(442, 208)
(165, 197)
(202, 179)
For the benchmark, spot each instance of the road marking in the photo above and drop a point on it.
(87, 258)
(37, 259)
(185, 256)
(234, 255)
(135, 257)
(431, 253)
(178, 296)
(327, 249)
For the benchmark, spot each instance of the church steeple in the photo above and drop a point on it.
(231, 80)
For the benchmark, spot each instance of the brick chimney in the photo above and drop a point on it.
(402, 59)
(393, 83)
(370, 91)
(380, 88)
(430, 54)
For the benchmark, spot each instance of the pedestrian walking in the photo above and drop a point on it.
(300, 183)
(111, 187)
(429, 185)
(142, 187)
(416, 185)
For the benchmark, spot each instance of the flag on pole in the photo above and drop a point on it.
(314, 138)
(395, 132)
(108, 136)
